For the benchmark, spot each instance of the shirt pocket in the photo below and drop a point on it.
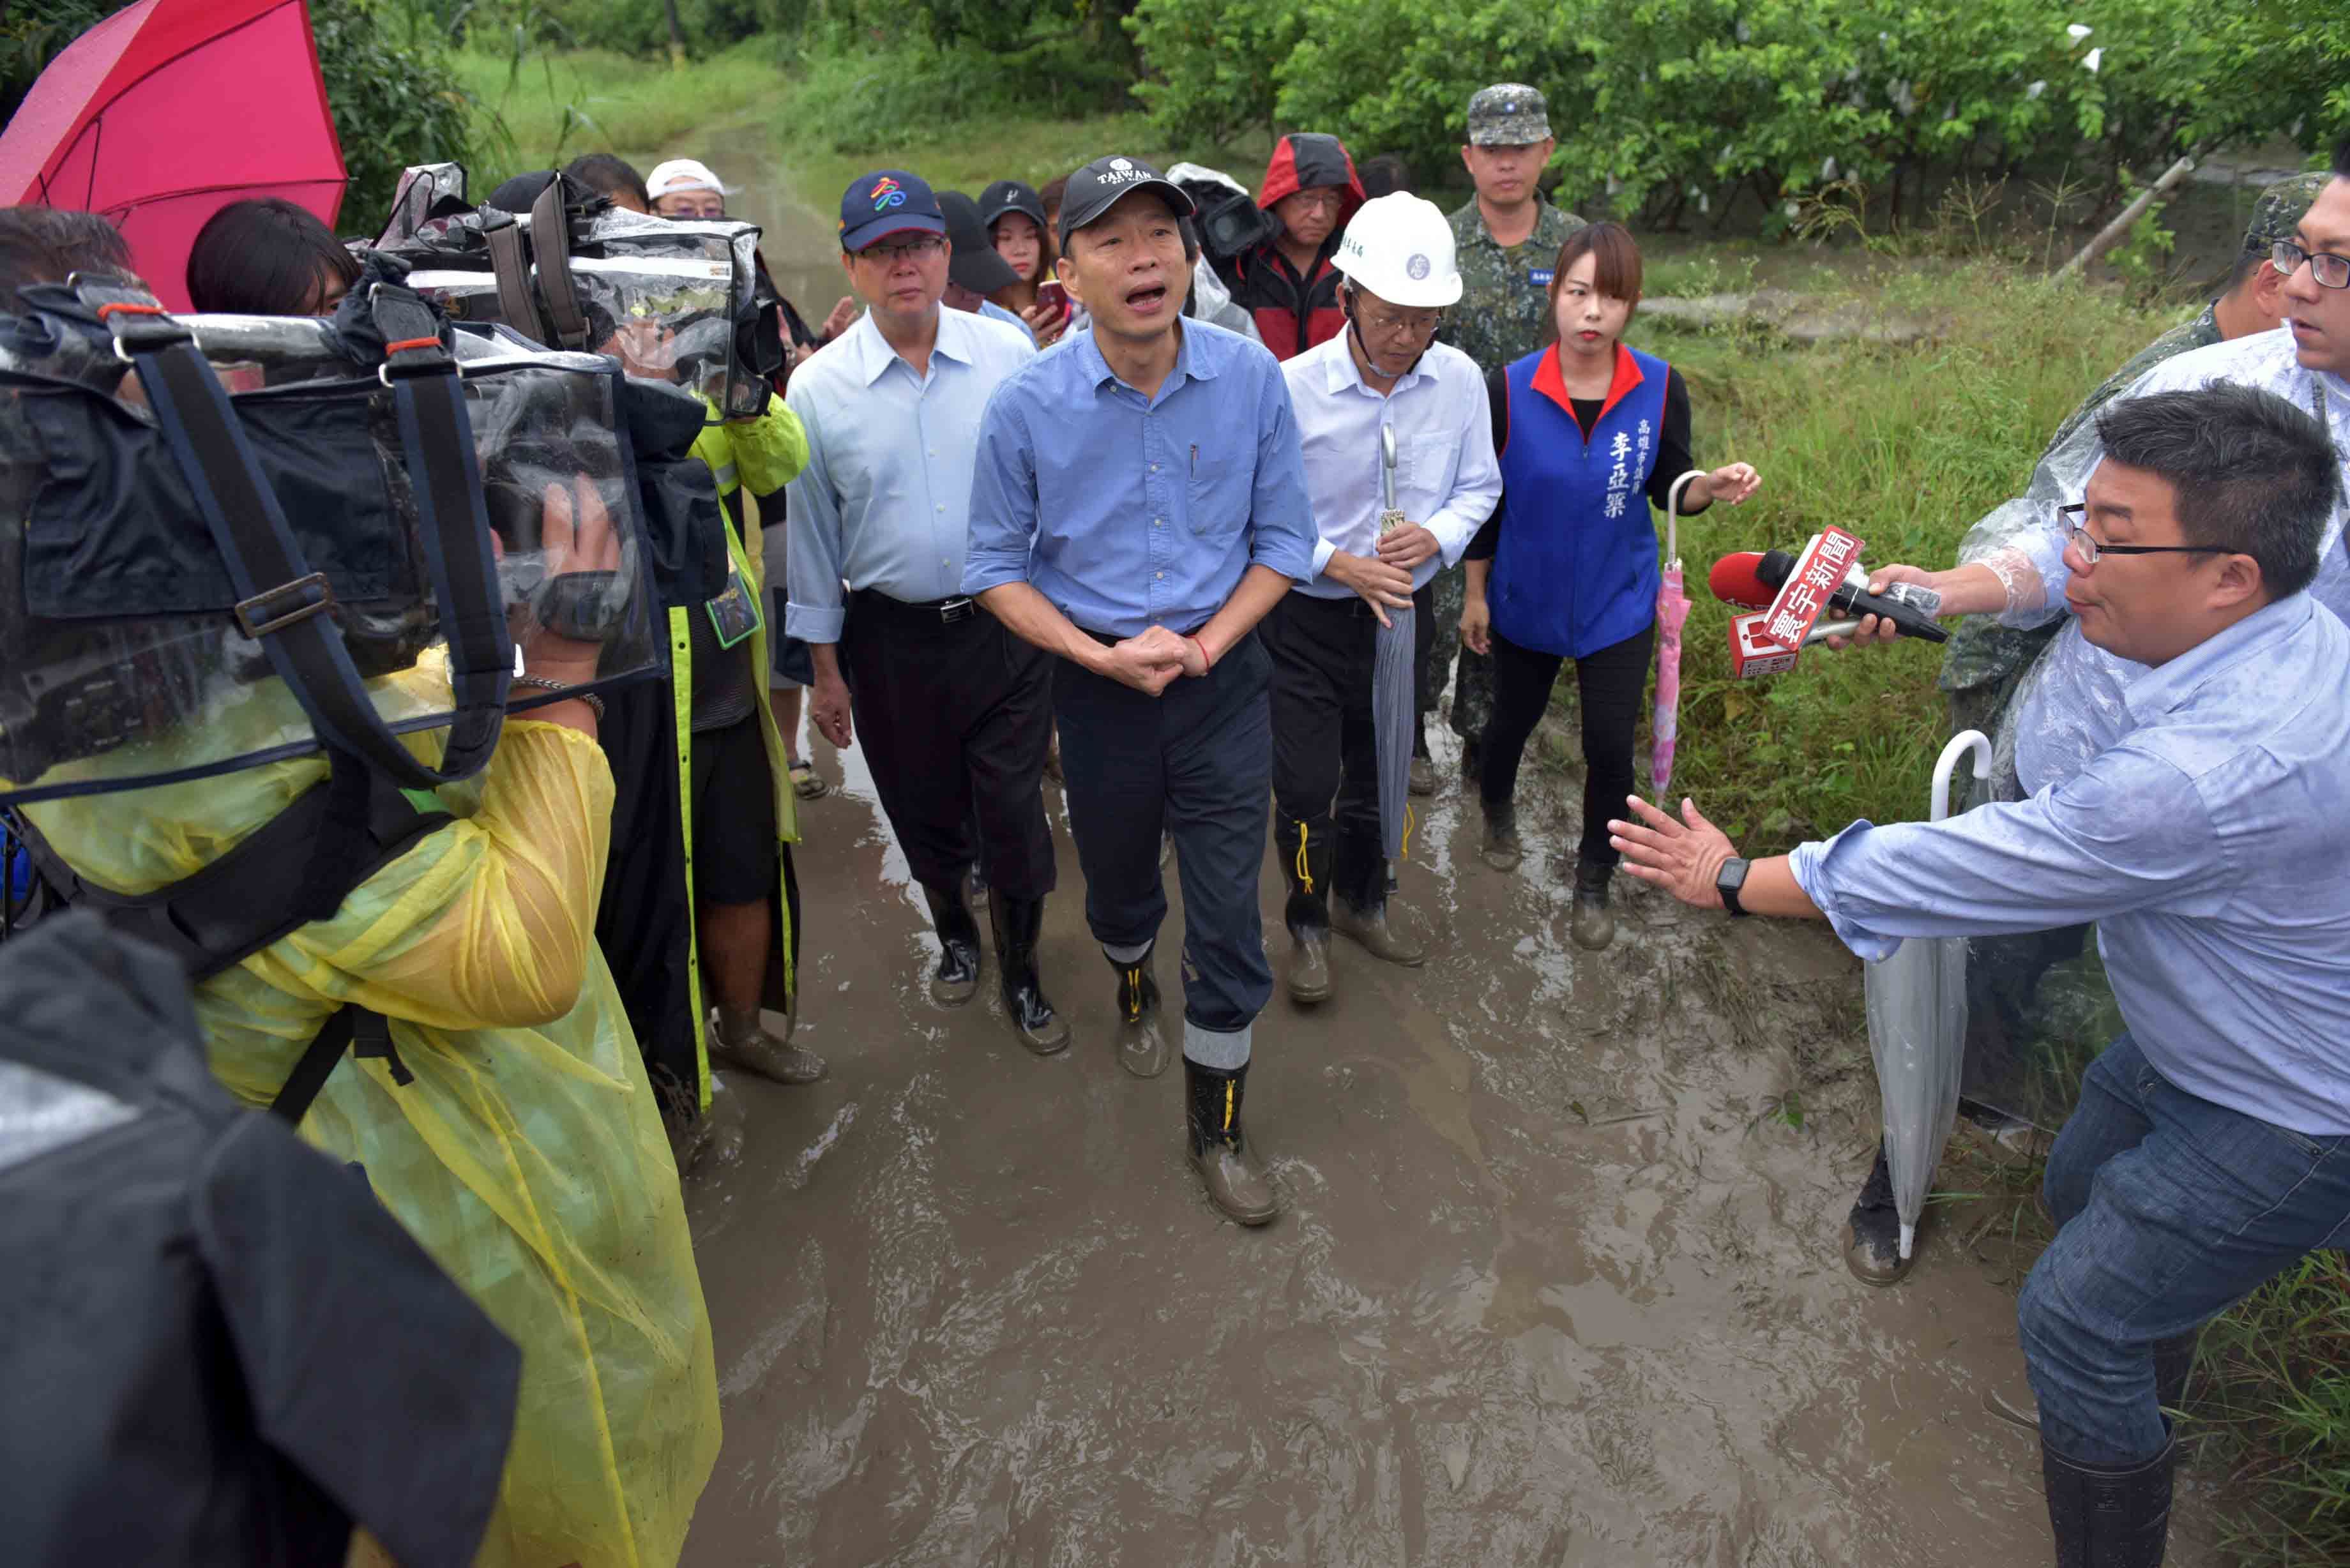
(1424, 474)
(1216, 497)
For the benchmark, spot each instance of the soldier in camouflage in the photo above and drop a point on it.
(1986, 661)
(1506, 239)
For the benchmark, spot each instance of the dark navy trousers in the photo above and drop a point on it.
(1197, 762)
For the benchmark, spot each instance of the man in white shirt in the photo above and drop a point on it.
(1384, 374)
(955, 712)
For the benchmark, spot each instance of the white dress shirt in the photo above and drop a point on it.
(885, 500)
(1447, 479)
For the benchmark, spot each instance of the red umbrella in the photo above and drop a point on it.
(166, 112)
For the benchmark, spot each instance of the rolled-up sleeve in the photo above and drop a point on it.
(2130, 831)
(1003, 498)
(1282, 531)
(812, 609)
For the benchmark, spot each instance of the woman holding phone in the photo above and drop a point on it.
(1590, 433)
(1015, 216)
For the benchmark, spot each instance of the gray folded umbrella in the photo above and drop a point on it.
(1391, 688)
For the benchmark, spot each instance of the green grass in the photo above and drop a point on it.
(549, 107)
(1905, 447)
(2272, 1393)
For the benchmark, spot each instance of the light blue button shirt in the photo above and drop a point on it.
(2211, 845)
(1130, 512)
(996, 312)
(1447, 478)
(883, 502)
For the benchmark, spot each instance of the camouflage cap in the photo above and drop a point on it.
(1508, 114)
(2277, 212)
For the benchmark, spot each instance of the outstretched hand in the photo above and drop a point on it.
(1684, 858)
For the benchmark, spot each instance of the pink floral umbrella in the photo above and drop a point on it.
(1672, 611)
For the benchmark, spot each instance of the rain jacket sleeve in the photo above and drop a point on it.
(771, 449)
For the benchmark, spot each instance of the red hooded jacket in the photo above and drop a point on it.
(1293, 313)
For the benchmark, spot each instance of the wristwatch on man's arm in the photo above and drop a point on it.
(1727, 881)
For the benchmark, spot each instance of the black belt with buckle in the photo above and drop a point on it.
(944, 612)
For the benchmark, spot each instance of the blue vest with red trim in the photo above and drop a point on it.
(1576, 567)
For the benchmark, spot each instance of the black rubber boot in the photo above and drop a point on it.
(957, 980)
(1236, 1181)
(1018, 923)
(2107, 1516)
(1502, 849)
(1142, 1046)
(1593, 923)
(1873, 1252)
(1359, 912)
(1302, 845)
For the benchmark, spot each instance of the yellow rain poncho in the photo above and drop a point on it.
(527, 1156)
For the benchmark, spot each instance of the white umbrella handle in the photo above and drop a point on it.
(1673, 515)
(1973, 740)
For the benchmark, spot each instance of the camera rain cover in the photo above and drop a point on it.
(673, 301)
(130, 656)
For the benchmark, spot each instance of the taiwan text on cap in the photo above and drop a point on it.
(1102, 185)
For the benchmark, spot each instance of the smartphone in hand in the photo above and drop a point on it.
(1055, 292)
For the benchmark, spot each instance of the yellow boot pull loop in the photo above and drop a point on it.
(1305, 873)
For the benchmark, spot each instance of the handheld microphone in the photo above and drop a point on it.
(1909, 606)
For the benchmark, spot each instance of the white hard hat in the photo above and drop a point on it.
(682, 174)
(1400, 248)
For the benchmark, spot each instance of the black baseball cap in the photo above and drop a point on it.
(974, 264)
(1011, 197)
(888, 202)
(1102, 185)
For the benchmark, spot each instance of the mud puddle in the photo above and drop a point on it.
(1559, 1283)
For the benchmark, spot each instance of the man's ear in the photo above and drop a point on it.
(2240, 583)
(2267, 287)
(849, 269)
(1065, 270)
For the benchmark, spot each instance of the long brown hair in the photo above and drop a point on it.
(1616, 270)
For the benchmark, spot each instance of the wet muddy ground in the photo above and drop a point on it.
(1559, 1283)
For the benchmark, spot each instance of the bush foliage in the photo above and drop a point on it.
(1659, 103)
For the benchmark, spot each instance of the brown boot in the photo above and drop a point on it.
(1502, 850)
(1380, 938)
(1309, 969)
(711, 1136)
(741, 1040)
(1236, 1181)
(1593, 923)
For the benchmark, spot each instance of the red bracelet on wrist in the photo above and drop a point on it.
(1206, 657)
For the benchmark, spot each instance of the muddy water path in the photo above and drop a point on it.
(1554, 1286)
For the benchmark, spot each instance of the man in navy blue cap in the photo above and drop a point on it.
(955, 713)
(1140, 504)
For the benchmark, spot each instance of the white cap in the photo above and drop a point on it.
(682, 174)
(1399, 247)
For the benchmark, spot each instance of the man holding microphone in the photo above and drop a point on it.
(1139, 505)
(2209, 840)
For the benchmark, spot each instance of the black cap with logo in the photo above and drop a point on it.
(1102, 185)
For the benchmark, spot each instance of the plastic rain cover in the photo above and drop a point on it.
(1918, 1031)
(122, 661)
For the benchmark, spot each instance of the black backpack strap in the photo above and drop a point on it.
(550, 245)
(352, 1028)
(283, 601)
(247, 899)
(516, 303)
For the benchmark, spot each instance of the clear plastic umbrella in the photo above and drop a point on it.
(1918, 1030)
(1672, 611)
(1392, 688)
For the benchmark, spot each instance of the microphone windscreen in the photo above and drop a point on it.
(1734, 580)
(1772, 567)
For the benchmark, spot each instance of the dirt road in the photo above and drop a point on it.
(1554, 1288)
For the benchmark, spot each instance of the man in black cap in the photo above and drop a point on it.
(955, 712)
(1138, 503)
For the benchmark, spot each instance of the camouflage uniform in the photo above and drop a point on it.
(1504, 315)
(1986, 661)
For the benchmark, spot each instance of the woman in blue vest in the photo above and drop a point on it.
(1590, 433)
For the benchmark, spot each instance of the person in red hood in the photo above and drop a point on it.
(1286, 283)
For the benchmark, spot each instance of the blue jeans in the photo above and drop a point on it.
(2171, 1210)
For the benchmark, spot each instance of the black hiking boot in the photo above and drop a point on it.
(1236, 1181)
(1018, 923)
(957, 980)
(1141, 1044)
